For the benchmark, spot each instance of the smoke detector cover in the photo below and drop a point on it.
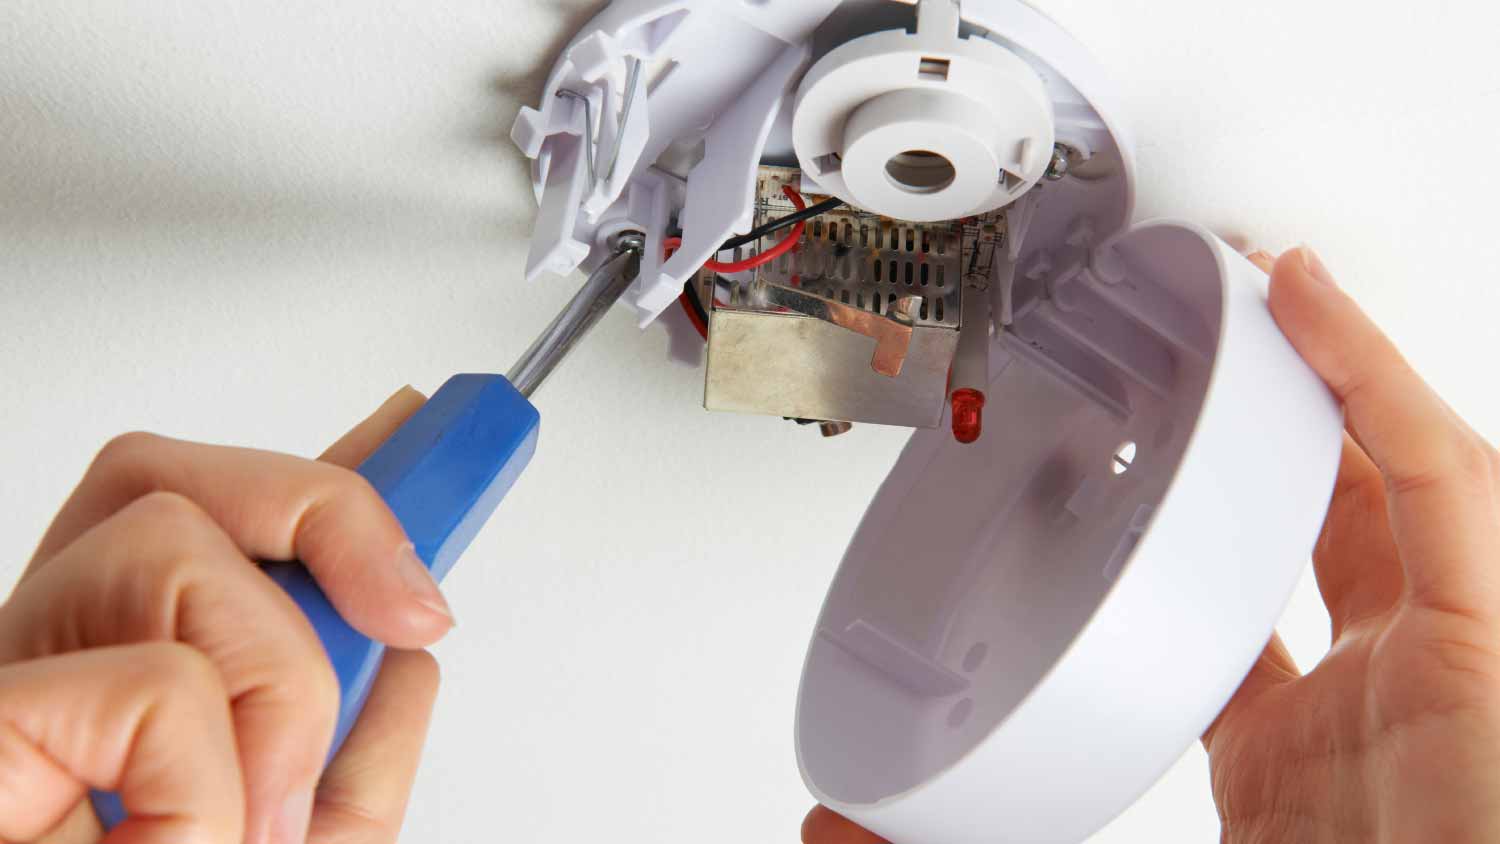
(1026, 632)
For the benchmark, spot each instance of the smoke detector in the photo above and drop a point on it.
(920, 214)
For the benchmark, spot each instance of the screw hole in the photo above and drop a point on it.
(1124, 458)
(960, 712)
(975, 657)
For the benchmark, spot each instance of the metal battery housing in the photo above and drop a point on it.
(767, 360)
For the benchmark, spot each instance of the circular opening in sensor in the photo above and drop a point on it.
(920, 171)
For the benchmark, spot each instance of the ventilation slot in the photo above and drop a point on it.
(932, 69)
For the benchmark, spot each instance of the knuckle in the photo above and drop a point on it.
(172, 526)
(307, 693)
(351, 483)
(172, 552)
(172, 509)
(338, 501)
(317, 683)
(336, 487)
(124, 450)
(180, 667)
(293, 671)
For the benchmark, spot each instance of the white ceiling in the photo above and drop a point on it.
(248, 222)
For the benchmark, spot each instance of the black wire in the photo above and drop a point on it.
(691, 289)
(782, 222)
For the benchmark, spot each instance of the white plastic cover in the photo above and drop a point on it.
(1026, 632)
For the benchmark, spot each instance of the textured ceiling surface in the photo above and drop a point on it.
(248, 222)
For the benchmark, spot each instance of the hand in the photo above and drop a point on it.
(1395, 735)
(145, 653)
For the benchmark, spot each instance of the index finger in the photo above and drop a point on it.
(1440, 477)
(352, 448)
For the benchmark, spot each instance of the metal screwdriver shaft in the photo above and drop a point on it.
(592, 301)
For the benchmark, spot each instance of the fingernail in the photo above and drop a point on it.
(291, 824)
(1314, 265)
(420, 583)
(1261, 254)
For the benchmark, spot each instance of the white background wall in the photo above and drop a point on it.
(248, 222)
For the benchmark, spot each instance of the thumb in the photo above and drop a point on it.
(149, 722)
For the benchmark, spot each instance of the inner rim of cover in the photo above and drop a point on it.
(971, 575)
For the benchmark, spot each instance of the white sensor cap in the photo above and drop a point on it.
(923, 126)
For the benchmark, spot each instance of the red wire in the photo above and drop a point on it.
(786, 245)
(669, 245)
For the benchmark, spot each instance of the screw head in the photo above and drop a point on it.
(1058, 166)
(908, 307)
(627, 241)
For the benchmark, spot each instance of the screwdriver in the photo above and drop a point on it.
(442, 473)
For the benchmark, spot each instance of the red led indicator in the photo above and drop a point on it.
(968, 415)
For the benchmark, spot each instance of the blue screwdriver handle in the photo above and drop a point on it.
(442, 473)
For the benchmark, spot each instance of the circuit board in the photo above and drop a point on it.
(766, 359)
(868, 260)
